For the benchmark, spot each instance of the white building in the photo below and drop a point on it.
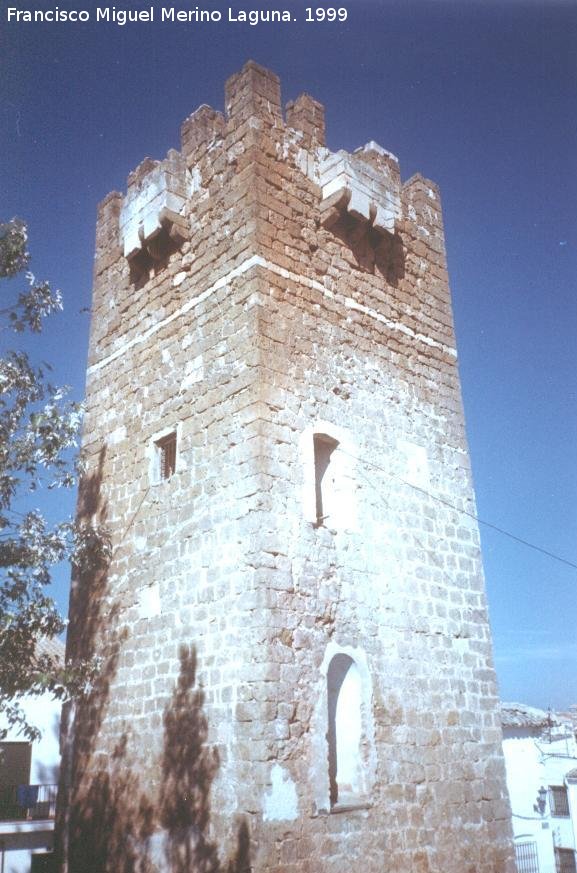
(28, 785)
(541, 761)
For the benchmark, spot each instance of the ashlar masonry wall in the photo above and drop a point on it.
(295, 654)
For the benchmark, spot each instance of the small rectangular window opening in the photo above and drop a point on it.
(565, 860)
(15, 760)
(166, 448)
(324, 446)
(558, 800)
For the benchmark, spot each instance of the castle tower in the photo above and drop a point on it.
(295, 658)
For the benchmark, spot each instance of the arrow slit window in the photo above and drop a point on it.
(324, 446)
(166, 456)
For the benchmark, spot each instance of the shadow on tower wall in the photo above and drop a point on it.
(189, 767)
(118, 826)
(111, 820)
(373, 252)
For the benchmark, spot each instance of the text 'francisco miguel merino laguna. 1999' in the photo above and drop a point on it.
(112, 15)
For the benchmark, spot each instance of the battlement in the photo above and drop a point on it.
(365, 185)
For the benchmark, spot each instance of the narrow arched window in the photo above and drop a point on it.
(324, 446)
(344, 736)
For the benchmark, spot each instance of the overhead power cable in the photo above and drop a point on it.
(472, 515)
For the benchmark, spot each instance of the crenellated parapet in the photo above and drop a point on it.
(360, 191)
(307, 115)
(200, 131)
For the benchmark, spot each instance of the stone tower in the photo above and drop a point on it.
(295, 659)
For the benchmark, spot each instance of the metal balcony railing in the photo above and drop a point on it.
(27, 802)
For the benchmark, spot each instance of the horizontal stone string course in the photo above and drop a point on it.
(257, 261)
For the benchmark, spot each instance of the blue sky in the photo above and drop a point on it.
(479, 96)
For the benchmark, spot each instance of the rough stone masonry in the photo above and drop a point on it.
(295, 657)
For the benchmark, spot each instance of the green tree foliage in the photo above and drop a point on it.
(38, 438)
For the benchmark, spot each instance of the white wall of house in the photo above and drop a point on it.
(537, 757)
(44, 713)
(19, 840)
